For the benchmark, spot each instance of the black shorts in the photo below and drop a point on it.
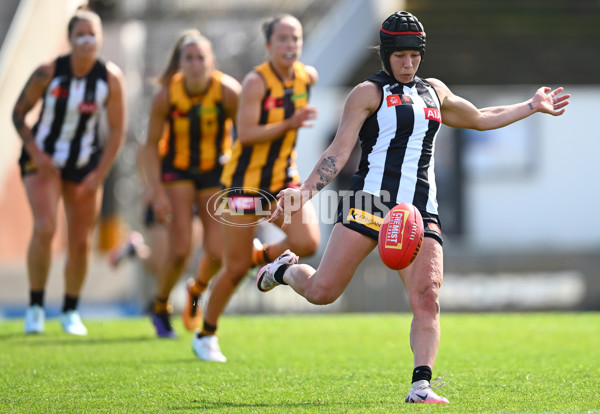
(364, 213)
(201, 180)
(73, 174)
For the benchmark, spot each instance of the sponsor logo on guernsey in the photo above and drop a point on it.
(395, 229)
(433, 114)
(59, 92)
(297, 96)
(87, 108)
(177, 113)
(208, 111)
(394, 100)
(364, 218)
(434, 227)
(272, 102)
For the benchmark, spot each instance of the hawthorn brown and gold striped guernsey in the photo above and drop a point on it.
(270, 166)
(199, 134)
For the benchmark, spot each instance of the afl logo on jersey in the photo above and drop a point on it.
(87, 108)
(394, 100)
(428, 101)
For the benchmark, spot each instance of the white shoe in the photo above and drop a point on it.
(71, 323)
(34, 319)
(265, 279)
(422, 392)
(207, 348)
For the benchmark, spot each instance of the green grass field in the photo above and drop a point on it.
(352, 363)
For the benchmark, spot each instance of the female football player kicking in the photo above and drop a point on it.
(397, 116)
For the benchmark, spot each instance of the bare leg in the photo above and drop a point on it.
(82, 213)
(210, 263)
(157, 238)
(337, 268)
(213, 240)
(43, 193)
(422, 281)
(181, 195)
(237, 260)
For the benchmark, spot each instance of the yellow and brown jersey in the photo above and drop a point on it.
(198, 135)
(270, 166)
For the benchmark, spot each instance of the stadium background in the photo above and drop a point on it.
(519, 205)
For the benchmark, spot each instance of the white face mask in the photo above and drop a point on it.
(88, 39)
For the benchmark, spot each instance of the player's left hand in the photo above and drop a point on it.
(550, 102)
(289, 202)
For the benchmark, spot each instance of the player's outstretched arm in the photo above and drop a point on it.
(458, 112)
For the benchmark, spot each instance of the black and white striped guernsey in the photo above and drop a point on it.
(67, 129)
(398, 142)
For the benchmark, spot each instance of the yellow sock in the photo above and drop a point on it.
(162, 306)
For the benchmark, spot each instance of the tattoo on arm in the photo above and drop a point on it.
(41, 75)
(18, 120)
(21, 108)
(23, 104)
(530, 105)
(327, 170)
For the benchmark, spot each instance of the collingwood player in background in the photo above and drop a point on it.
(397, 116)
(64, 158)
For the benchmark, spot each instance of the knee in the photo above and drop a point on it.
(179, 256)
(236, 266)
(234, 273)
(426, 300)
(79, 246)
(43, 230)
(213, 253)
(320, 295)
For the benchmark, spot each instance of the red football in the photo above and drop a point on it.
(401, 236)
